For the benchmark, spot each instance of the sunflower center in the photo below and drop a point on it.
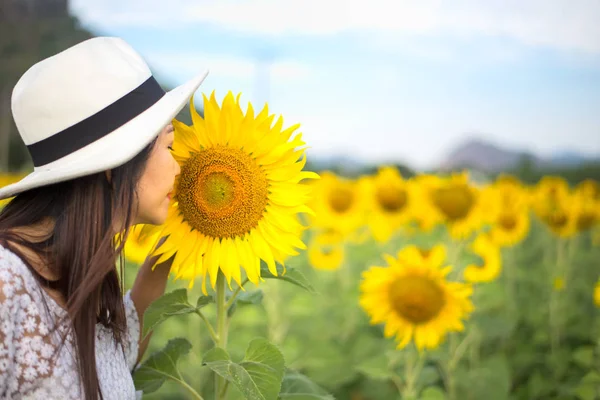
(557, 219)
(391, 199)
(454, 201)
(222, 192)
(508, 222)
(425, 253)
(416, 298)
(585, 221)
(340, 199)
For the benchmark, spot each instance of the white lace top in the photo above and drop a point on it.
(28, 367)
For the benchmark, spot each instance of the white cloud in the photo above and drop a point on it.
(554, 23)
(189, 64)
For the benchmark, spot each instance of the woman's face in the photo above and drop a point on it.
(155, 187)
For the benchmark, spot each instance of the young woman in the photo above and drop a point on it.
(97, 127)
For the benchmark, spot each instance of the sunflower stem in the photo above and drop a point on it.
(211, 330)
(220, 388)
(235, 294)
(554, 300)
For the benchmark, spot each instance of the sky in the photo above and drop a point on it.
(384, 81)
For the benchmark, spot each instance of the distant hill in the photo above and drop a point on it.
(486, 156)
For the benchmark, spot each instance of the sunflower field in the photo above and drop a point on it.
(377, 287)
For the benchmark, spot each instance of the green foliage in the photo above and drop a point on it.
(174, 303)
(258, 376)
(161, 366)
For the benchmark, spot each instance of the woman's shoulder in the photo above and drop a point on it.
(15, 277)
(10, 263)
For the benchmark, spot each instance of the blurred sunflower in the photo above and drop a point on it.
(238, 195)
(8, 179)
(338, 203)
(491, 263)
(390, 202)
(326, 250)
(552, 203)
(597, 294)
(509, 217)
(434, 256)
(586, 206)
(424, 219)
(415, 301)
(455, 202)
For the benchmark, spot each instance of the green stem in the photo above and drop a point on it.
(220, 388)
(209, 326)
(554, 300)
(235, 294)
(412, 371)
(182, 383)
(190, 389)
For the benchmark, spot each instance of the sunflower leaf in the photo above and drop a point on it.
(290, 274)
(296, 386)
(161, 366)
(258, 376)
(166, 306)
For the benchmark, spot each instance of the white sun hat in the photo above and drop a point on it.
(88, 109)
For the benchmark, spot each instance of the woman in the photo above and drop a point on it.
(97, 127)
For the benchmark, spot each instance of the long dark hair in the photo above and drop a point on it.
(81, 250)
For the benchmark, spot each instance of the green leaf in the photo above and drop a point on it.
(291, 275)
(203, 301)
(168, 305)
(584, 356)
(433, 393)
(375, 367)
(161, 366)
(253, 297)
(258, 376)
(589, 387)
(296, 386)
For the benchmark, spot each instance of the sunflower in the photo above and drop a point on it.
(552, 203)
(510, 228)
(338, 203)
(435, 255)
(415, 301)
(597, 294)
(238, 195)
(390, 202)
(138, 246)
(326, 250)
(454, 201)
(423, 217)
(490, 266)
(586, 205)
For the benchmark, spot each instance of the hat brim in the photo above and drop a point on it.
(114, 149)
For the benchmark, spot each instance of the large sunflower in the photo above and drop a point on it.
(415, 301)
(390, 199)
(138, 246)
(238, 195)
(434, 255)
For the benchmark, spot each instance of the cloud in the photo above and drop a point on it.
(189, 64)
(553, 23)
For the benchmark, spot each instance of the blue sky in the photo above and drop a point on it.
(385, 80)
